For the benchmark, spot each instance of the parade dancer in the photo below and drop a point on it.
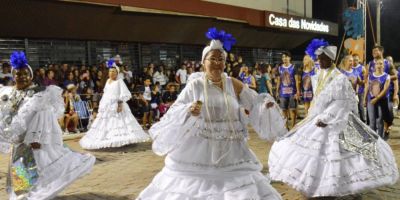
(40, 166)
(114, 126)
(332, 152)
(204, 136)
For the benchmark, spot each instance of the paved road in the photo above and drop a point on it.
(122, 173)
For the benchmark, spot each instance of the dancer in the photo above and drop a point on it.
(332, 152)
(114, 126)
(40, 166)
(204, 136)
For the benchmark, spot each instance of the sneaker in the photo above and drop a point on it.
(66, 132)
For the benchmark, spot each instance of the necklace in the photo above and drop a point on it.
(214, 82)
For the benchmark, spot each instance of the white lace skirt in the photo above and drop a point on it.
(58, 167)
(212, 185)
(112, 129)
(313, 162)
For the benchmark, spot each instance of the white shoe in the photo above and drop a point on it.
(66, 132)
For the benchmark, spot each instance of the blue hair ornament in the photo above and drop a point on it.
(18, 60)
(110, 63)
(226, 39)
(314, 45)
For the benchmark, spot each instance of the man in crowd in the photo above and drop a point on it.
(288, 87)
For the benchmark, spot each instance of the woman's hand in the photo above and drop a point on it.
(195, 108)
(35, 145)
(321, 124)
(374, 101)
(269, 104)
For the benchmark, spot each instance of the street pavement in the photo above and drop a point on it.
(121, 173)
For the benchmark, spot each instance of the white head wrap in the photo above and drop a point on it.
(214, 44)
(330, 51)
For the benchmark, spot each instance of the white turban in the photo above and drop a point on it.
(330, 51)
(214, 44)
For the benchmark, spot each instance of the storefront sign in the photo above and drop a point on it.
(276, 20)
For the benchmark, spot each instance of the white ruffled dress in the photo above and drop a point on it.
(207, 156)
(344, 158)
(110, 128)
(36, 121)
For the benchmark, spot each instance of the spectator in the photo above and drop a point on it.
(145, 97)
(155, 101)
(361, 72)
(71, 117)
(307, 73)
(5, 71)
(160, 77)
(264, 84)
(170, 95)
(40, 76)
(69, 79)
(376, 96)
(86, 81)
(49, 80)
(181, 76)
(247, 78)
(288, 87)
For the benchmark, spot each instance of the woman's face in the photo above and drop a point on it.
(150, 71)
(51, 75)
(245, 69)
(22, 78)
(379, 65)
(306, 60)
(214, 64)
(348, 62)
(99, 74)
(70, 76)
(285, 59)
(112, 73)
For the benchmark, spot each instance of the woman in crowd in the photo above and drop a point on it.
(264, 83)
(376, 97)
(71, 118)
(247, 77)
(204, 136)
(306, 83)
(69, 79)
(114, 126)
(49, 80)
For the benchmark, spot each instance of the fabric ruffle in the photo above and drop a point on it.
(169, 185)
(58, 167)
(312, 161)
(112, 129)
(268, 123)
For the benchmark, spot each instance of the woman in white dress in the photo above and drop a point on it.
(332, 152)
(206, 143)
(114, 126)
(40, 166)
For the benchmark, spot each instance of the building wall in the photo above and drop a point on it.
(296, 7)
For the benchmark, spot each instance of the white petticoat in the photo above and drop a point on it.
(312, 161)
(112, 129)
(217, 185)
(58, 167)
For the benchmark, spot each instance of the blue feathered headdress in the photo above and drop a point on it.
(314, 45)
(226, 39)
(111, 63)
(18, 60)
